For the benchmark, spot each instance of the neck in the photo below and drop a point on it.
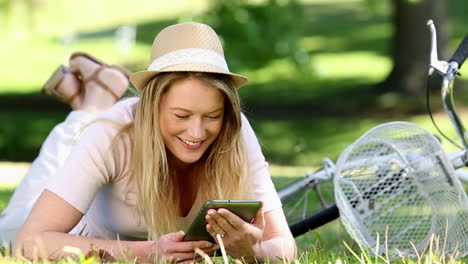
(181, 168)
(186, 175)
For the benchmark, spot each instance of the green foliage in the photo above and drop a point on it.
(25, 130)
(5, 194)
(255, 34)
(4, 4)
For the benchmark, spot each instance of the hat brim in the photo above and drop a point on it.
(141, 78)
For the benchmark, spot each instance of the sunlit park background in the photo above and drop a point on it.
(316, 67)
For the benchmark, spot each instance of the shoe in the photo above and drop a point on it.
(52, 86)
(95, 75)
(88, 56)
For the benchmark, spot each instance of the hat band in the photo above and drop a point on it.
(189, 56)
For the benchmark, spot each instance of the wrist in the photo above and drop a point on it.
(273, 251)
(257, 254)
(142, 250)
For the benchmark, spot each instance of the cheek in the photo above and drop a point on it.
(167, 127)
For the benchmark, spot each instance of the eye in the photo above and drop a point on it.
(181, 116)
(214, 117)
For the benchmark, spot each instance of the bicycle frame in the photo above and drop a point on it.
(448, 70)
(459, 159)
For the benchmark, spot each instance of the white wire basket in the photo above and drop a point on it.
(395, 189)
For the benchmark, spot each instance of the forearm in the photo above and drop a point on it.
(279, 247)
(49, 245)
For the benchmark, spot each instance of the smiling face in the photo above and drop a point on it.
(191, 114)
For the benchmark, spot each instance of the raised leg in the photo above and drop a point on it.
(99, 91)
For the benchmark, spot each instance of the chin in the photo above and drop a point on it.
(189, 160)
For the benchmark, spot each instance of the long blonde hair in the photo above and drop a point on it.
(225, 166)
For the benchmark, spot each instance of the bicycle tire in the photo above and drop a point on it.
(314, 221)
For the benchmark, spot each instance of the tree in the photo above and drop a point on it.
(7, 10)
(256, 33)
(411, 44)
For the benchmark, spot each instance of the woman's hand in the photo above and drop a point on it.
(241, 239)
(171, 247)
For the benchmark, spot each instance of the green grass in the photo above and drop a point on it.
(10, 175)
(5, 194)
(300, 115)
(282, 175)
(34, 45)
(329, 236)
(347, 45)
(327, 244)
(305, 141)
(286, 140)
(316, 254)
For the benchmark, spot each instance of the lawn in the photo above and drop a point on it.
(300, 115)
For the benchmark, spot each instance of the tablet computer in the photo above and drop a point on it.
(245, 209)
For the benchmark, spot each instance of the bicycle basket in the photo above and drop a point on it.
(396, 185)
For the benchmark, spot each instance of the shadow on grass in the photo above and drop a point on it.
(306, 204)
(24, 130)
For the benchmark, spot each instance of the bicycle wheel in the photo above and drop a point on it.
(304, 212)
(307, 202)
(303, 202)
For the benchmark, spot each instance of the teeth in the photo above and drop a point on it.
(191, 143)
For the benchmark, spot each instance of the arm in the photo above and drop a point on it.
(277, 239)
(268, 237)
(45, 232)
(276, 227)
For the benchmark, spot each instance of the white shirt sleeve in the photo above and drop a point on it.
(262, 183)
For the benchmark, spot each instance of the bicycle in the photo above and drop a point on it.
(395, 183)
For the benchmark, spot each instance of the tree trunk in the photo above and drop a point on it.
(411, 44)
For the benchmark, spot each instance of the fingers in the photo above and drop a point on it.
(171, 247)
(173, 243)
(216, 234)
(232, 219)
(218, 223)
(223, 222)
(191, 256)
(190, 246)
(176, 237)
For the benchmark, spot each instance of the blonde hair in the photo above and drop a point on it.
(224, 173)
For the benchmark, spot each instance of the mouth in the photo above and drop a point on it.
(191, 144)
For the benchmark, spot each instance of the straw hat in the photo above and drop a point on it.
(191, 46)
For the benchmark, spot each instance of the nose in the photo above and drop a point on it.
(196, 129)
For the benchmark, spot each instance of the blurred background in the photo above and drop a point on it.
(322, 72)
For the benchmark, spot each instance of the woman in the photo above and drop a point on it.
(143, 169)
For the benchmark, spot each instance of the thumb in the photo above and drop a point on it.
(178, 236)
